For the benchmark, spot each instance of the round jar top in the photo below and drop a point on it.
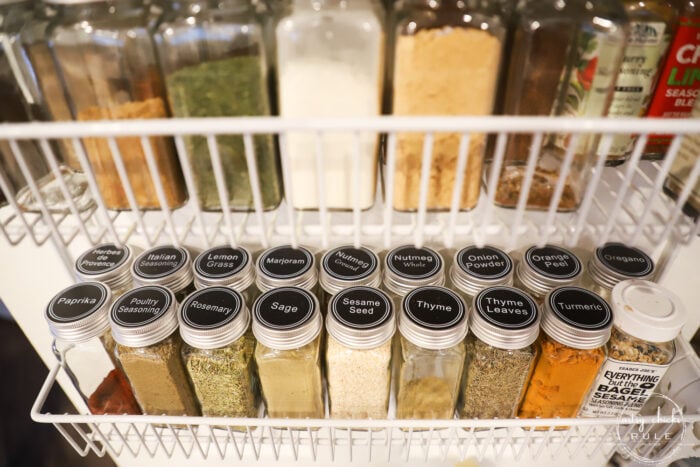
(286, 266)
(577, 318)
(505, 318)
(475, 268)
(543, 269)
(106, 263)
(347, 266)
(647, 311)
(433, 318)
(361, 318)
(143, 316)
(615, 262)
(213, 317)
(408, 267)
(167, 265)
(224, 266)
(79, 312)
(286, 318)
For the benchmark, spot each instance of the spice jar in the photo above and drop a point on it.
(225, 266)
(613, 263)
(564, 61)
(78, 320)
(541, 270)
(117, 79)
(501, 353)
(109, 264)
(218, 352)
(575, 328)
(360, 327)
(144, 326)
(647, 319)
(287, 323)
(345, 267)
(440, 46)
(407, 267)
(285, 266)
(204, 79)
(474, 269)
(432, 325)
(168, 266)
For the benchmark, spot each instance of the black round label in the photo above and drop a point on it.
(485, 263)
(160, 262)
(625, 260)
(284, 308)
(414, 263)
(434, 307)
(580, 308)
(506, 307)
(77, 302)
(553, 262)
(141, 306)
(101, 259)
(211, 308)
(348, 263)
(361, 307)
(221, 262)
(285, 262)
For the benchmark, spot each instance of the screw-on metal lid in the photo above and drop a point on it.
(213, 317)
(107, 263)
(361, 318)
(224, 266)
(577, 318)
(615, 262)
(408, 267)
(167, 265)
(433, 318)
(474, 269)
(286, 318)
(543, 269)
(143, 316)
(505, 318)
(347, 266)
(79, 312)
(285, 266)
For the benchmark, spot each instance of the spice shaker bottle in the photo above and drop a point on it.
(474, 269)
(345, 267)
(224, 266)
(78, 320)
(407, 267)
(168, 266)
(575, 326)
(360, 325)
(613, 263)
(144, 326)
(432, 325)
(109, 264)
(541, 270)
(287, 324)
(501, 353)
(285, 266)
(647, 319)
(218, 352)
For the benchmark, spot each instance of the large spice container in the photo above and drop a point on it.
(285, 266)
(501, 352)
(117, 79)
(218, 352)
(226, 266)
(432, 325)
(330, 63)
(360, 325)
(109, 264)
(168, 266)
(212, 54)
(540, 270)
(438, 47)
(287, 323)
(613, 263)
(564, 60)
(575, 326)
(345, 267)
(407, 267)
(144, 326)
(78, 319)
(647, 319)
(474, 269)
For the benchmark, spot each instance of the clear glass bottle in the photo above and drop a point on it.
(345, 267)
(168, 266)
(540, 270)
(144, 325)
(330, 63)
(474, 269)
(213, 56)
(564, 61)
(432, 325)
(218, 352)
(224, 266)
(285, 266)
(287, 324)
(438, 46)
(613, 263)
(116, 79)
(407, 267)
(109, 264)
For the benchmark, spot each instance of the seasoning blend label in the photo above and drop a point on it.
(414, 263)
(221, 262)
(160, 262)
(627, 261)
(361, 308)
(141, 306)
(347, 263)
(553, 262)
(101, 259)
(285, 262)
(77, 302)
(487, 263)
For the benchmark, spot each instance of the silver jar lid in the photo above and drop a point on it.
(543, 269)
(577, 318)
(213, 317)
(616, 262)
(80, 312)
(408, 267)
(285, 266)
(224, 266)
(286, 318)
(167, 265)
(347, 266)
(143, 316)
(434, 318)
(361, 318)
(107, 263)
(505, 318)
(474, 269)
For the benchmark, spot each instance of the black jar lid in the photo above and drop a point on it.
(347, 266)
(505, 317)
(433, 318)
(615, 262)
(224, 266)
(213, 317)
(144, 316)
(166, 265)
(361, 318)
(106, 263)
(79, 312)
(543, 269)
(408, 267)
(577, 318)
(285, 266)
(475, 268)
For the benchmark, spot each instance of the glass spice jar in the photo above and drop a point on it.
(613, 263)
(474, 269)
(144, 326)
(432, 325)
(287, 324)
(360, 325)
(285, 266)
(540, 270)
(109, 264)
(576, 325)
(218, 352)
(224, 266)
(345, 267)
(647, 319)
(504, 325)
(407, 267)
(168, 266)
(78, 320)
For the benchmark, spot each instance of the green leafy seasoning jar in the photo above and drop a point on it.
(347, 266)
(613, 263)
(407, 267)
(540, 270)
(224, 266)
(285, 266)
(168, 266)
(109, 264)
(218, 352)
(474, 269)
